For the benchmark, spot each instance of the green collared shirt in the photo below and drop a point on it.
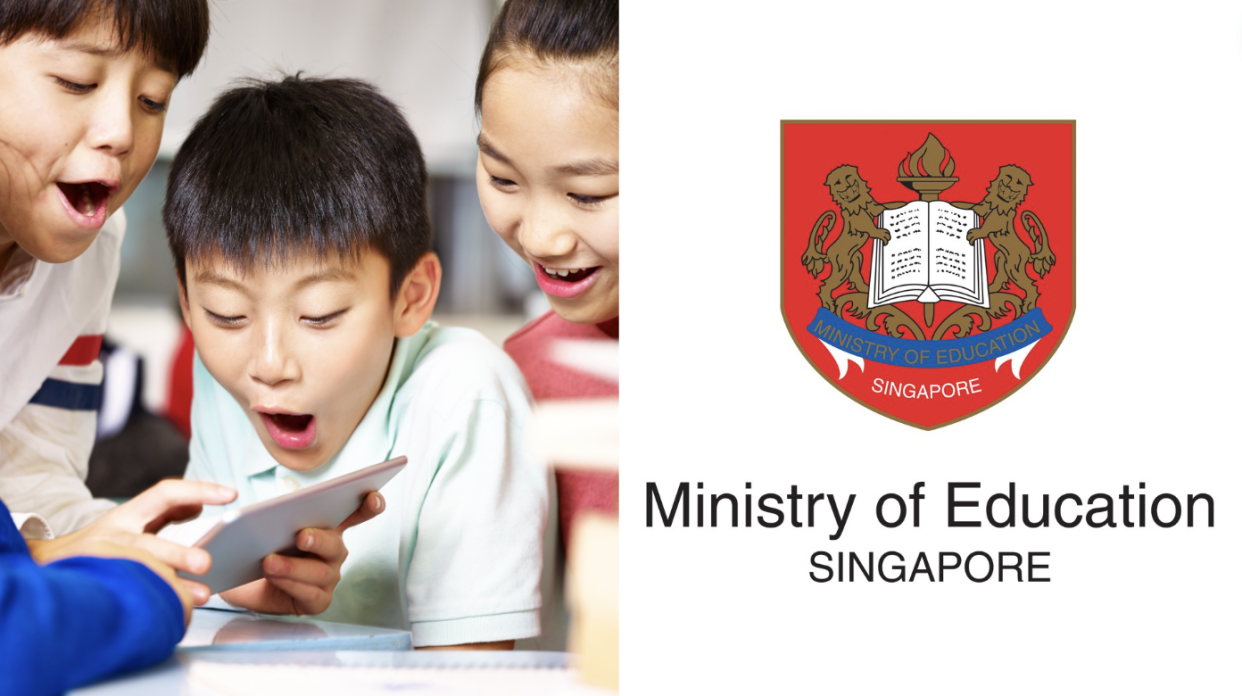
(457, 554)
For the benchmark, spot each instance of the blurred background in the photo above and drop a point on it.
(422, 54)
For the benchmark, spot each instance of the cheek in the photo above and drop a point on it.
(146, 147)
(354, 358)
(503, 214)
(29, 146)
(222, 353)
(603, 234)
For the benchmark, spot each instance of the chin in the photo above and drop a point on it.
(596, 311)
(61, 250)
(308, 459)
(581, 315)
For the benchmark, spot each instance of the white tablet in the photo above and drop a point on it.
(242, 538)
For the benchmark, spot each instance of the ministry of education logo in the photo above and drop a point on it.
(927, 268)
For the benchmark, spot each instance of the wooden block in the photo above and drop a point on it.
(593, 594)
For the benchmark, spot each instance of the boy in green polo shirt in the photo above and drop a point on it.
(297, 215)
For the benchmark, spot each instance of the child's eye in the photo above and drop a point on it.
(325, 320)
(502, 183)
(153, 106)
(588, 201)
(226, 322)
(74, 87)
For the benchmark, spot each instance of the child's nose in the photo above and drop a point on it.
(271, 363)
(546, 233)
(113, 128)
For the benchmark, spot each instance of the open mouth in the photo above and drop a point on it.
(290, 430)
(568, 275)
(88, 199)
(565, 282)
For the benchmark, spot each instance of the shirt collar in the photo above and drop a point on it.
(258, 461)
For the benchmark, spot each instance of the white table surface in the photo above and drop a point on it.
(205, 672)
(212, 629)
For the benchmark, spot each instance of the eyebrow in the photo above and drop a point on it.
(335, 274)
(213, 278)
(486, 147)
(592, 167)
(112, 51)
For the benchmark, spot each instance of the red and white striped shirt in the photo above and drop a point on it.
(52, 319)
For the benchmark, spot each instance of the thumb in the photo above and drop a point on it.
(371, 506)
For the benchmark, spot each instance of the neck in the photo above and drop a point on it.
(6, 253)
(612, 327)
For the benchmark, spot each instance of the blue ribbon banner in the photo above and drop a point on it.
(954, 352)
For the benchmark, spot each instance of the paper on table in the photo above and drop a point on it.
(262, 680)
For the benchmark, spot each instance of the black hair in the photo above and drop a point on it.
(274, 169)
(556, 31)
(171, 30)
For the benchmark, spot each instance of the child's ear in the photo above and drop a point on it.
(417, 296)
(185, 303)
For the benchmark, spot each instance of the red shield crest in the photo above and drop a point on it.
(927, 268)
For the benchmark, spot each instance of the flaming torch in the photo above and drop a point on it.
(928, 170)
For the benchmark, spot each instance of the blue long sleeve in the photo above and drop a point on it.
(79, 619)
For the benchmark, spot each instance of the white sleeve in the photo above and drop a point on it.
(44, 452)
(32, 526)
(475, 572)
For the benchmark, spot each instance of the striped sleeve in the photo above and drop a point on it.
(45, 449)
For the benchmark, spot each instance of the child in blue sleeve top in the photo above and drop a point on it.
(79, 619)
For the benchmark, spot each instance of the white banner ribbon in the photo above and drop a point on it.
(1015, 359)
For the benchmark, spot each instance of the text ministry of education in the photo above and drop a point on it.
(966, 507)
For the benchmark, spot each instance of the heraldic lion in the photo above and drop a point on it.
(844, 255)
(998, 211)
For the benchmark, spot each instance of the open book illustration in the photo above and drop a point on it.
(928, 258)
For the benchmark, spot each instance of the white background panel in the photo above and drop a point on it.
(1144, 387)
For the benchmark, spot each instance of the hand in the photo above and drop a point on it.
(133, 526)
(102, 548)
(304, 584)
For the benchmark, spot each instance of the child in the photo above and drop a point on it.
(83, 87)
(548, 178)
(297, 215)
(78, 131)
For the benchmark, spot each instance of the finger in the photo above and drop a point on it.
(187, 558)
(310, 599)
(187, 598)
(371, 506)
(261, 596)
(153, 503)
(199, 592)
(326, 544)
(180, 513)
(308, 570)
